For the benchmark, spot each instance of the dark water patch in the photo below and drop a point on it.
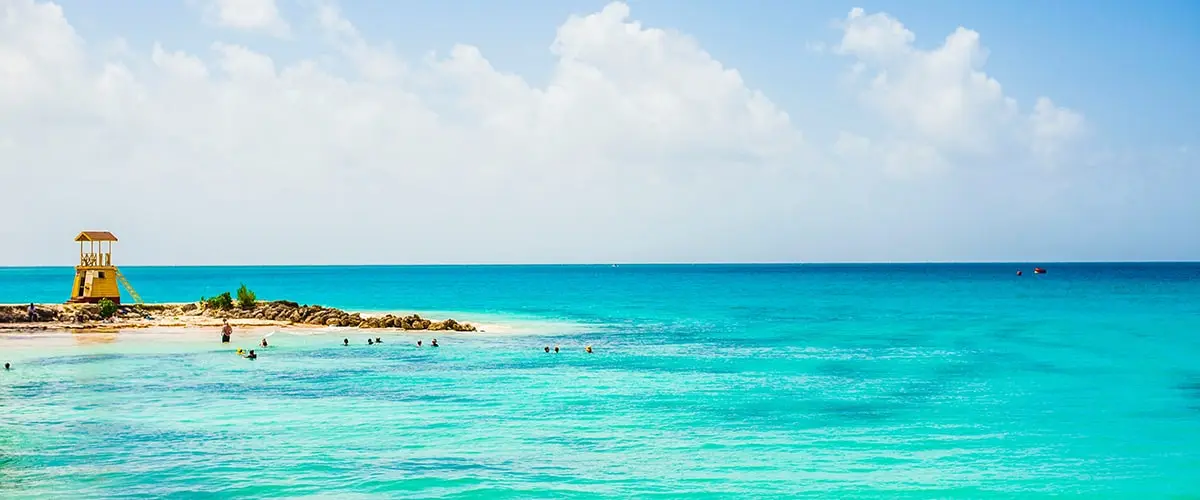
(869, 411)
(854, 370)
(961, 370)
(1190, 389)
(1021, 336)
(54, 388)
(324, 388)
(81, 359)
(918, 393)
(452, 466)
(126, 435)
(987, 364)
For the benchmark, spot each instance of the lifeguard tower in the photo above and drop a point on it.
(96, 278)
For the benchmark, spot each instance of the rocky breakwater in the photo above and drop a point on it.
(200, 314)
(291, 312)
(20, 313)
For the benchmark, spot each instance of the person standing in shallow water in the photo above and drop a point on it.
(345, 341)
(433, 343)
(226, 331)
(7, 366)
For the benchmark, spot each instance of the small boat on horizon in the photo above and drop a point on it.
(1038, 270)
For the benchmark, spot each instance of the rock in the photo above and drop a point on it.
(279, 310)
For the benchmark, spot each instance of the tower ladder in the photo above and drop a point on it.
(129, 288)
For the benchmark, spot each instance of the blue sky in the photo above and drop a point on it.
(587, 160)
(1130, 66)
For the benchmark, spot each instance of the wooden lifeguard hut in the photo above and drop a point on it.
(96, 278)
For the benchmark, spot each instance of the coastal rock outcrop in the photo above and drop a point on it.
(291, 312)
(20, 314)
(283, 311)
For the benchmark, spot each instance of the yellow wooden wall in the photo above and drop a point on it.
(101, 287)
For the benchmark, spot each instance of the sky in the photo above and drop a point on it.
(456, 131)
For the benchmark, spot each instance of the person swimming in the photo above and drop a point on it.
(264, 342)
(418, 342)
(555, 349)
(370, 342)
(226, 331)
(252, 356)
(547, 348)
(433, 343)
(345, 341)
(378, 340)
(7, 366)
(588, 349)
(240, 351)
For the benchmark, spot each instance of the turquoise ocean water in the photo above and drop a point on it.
(764, 381)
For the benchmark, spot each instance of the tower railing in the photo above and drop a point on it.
(95, 259)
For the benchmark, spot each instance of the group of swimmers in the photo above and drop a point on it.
(379, 340)
(587, 349)
(227, 332)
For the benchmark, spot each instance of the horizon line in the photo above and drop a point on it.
(592, 264)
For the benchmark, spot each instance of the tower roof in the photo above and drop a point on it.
(96, 236)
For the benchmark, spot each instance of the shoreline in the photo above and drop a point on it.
(278, 314)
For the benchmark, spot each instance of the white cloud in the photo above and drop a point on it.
(943, 99)
(640, 146)
(249, 15)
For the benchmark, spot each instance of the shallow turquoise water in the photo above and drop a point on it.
(707, 381)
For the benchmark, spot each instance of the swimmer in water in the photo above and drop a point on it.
(7, 366)
(378, 340)
(547, 348)
(555, 349)
(252, 356)
(589, 349)
(433, 343)
(264, 342)
(345, 341)
(418, 343)
(370, 342)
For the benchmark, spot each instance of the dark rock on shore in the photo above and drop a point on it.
(279, 310)
(282, 310)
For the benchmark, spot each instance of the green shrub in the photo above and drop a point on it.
(246, 298)
(107, 308)
(223, 301)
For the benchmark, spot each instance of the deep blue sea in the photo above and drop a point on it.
(706, 381)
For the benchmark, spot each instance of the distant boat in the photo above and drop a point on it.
(1038, 270)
